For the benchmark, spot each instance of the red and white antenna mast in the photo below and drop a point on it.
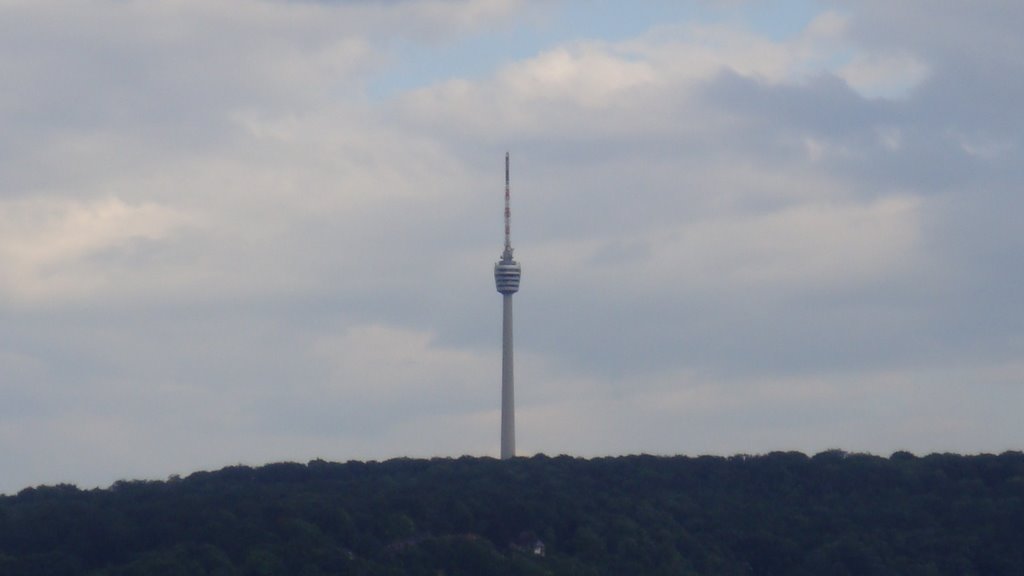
(507, 256)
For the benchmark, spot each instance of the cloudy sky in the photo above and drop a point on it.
(249, 231)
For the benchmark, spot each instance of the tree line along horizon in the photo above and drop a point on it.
(778, 513)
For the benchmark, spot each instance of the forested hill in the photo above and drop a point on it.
(783, 513)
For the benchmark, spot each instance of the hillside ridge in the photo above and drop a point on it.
(778, 513)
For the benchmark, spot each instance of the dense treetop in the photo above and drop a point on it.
(781, 513)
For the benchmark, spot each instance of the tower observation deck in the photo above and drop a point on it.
(506, 280)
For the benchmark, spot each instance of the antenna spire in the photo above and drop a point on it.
(507, 255)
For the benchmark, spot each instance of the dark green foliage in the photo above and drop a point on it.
(782, 513)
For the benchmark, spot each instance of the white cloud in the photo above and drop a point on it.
(53, 248)
(884, 76)
(587, 76)
(649, 85)
(806, 247)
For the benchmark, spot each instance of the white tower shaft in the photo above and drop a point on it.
(508, 395)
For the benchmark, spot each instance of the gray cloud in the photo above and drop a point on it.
(215, 247)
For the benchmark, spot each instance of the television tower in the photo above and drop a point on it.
(506, 279)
